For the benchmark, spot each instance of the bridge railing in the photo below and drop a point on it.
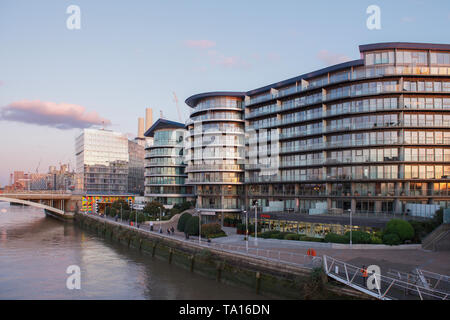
(385, 287)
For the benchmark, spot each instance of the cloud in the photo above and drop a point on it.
(202, 44)
(217, 58)
(1, 83)
(331, 58)
(57, 115)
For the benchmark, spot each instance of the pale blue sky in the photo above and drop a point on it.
(130, 55)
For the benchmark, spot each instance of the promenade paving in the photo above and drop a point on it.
(398, 259)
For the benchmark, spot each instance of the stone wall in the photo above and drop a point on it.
(271, 279)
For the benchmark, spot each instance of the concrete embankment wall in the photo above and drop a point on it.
(268, 278)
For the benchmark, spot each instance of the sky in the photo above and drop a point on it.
(129, 55)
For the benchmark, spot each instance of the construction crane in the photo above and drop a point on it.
(39, 163)
(175, 99)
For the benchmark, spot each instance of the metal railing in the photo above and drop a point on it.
(286, 257)
(384, 287)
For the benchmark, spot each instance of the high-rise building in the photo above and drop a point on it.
(164, 164)
(215, 153)
(103, 162)
(369, 135)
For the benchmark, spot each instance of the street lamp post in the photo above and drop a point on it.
(199, 227)
(351, 226)
(246, 230)
(120, 212)
(160, 217)
(255, 203)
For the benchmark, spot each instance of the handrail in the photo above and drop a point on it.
(386, 288)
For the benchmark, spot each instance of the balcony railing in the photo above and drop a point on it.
(358, 74)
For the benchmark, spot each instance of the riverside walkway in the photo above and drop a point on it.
(293, 253)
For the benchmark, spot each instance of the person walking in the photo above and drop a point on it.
(173, 230)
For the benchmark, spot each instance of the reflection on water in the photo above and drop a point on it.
(36, 250)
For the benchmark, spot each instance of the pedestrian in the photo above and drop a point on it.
(173, 230)
(168, 231)
(364, 274)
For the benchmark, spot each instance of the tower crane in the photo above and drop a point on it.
(175, 99)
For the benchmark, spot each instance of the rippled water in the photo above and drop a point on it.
(35, 251)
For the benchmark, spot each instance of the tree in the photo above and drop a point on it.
(401, 228)
(154, 208)
(191, 227)
(117, 204)
(182, 221)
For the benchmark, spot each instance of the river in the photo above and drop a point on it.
(35, 251)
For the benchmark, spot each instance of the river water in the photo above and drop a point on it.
(35, 251)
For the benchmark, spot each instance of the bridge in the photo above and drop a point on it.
(57, 203)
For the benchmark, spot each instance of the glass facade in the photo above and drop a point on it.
(215, 154)
(108, 163)
(165, 167)
(371, 135)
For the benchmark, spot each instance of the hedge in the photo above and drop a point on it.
(182, 221)
(191, 226)
(210, 229)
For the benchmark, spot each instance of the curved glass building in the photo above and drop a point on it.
(164, 168)
(370, 135)
(215, 151)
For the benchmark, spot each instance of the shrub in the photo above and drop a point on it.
(336, 238)
(391, 239)
(358, 237)
(279, 235)
(210, 229)
(125, 214)
(375, 240)
(293, 236)
(401, 228)
(191, 226)
(182, 221)
(312, 239)
(268, 234)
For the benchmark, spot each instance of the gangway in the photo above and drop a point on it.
(384, 287)
(434, 280)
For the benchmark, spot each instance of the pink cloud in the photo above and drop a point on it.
(332, 58)
(202, 44)
(58, 115)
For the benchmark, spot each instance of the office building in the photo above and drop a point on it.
(104, 164)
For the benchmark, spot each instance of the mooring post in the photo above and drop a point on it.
(258, 279)
(154, 248)
(219, 272)
(170, 255)
(192, 262)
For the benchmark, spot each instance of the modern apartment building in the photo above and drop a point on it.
(215, 151)
(164, 164)
(369, 135)
(103, 163)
